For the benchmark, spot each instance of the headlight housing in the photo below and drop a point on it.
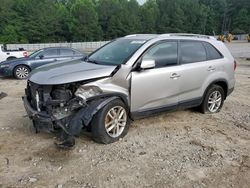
(86, 92)
(4, 66)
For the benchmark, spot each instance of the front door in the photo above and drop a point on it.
(158, 87)
(45, 57)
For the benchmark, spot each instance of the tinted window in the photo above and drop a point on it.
(50, 53)
(212, 52)
(164, 54)
(192, 51)
(66, 52)
(36, 53)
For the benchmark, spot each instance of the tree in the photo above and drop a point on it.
(149, 13)
(36, 21)
(85, 21)
(119, 17)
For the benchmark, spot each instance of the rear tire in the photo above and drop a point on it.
(21, 72)
(213, 100)
(111, 123)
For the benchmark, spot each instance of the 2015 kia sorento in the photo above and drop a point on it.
(130, 77)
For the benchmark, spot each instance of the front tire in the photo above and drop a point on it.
(213, 100)
(21, 72)
(111, 123)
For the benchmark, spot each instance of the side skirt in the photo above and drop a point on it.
(180, 106)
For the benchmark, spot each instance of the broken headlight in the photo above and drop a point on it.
(86, 92)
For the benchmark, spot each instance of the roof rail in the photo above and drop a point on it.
(188, 35)
(138, 35)
(133, 35)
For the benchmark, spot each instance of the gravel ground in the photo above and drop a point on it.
(239, 49)
(178, 149)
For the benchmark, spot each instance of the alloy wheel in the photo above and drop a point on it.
(22, 72)
(214, 101)
(115, 121)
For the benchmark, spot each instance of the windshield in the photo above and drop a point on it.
(34, 54)
(116, 52)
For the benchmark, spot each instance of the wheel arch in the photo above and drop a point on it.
(221, 82)
(11, 57)
(121, 96)
(118, 95)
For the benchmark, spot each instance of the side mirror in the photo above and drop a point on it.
(147, 64)
(41, 56)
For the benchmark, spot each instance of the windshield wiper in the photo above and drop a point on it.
(86, 59)
(92, 61)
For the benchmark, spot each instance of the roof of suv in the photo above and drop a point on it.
(170, 36)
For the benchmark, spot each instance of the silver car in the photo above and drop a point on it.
(128, 78)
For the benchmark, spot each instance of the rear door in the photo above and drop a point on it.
(158, 87)
(66, 54)
(195, 70)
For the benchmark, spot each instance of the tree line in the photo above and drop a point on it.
(36, 21)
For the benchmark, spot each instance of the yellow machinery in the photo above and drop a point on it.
(221, 38)
(229, 37)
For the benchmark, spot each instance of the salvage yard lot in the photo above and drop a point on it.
(177, 149)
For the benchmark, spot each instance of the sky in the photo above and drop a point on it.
(141, 1)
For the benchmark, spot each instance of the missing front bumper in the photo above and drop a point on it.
(41, 121)
(71, 125)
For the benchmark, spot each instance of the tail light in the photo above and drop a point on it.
(235, 65)
(25, 54)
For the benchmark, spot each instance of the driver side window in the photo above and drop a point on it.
(164, 54)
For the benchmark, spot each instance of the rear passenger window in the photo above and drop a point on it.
(192, 51)
(212, 52)
(164, 54)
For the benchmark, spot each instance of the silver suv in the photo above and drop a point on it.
(130, 77)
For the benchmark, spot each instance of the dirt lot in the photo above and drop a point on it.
(178, 149)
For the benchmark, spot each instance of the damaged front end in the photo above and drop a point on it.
(70, 107)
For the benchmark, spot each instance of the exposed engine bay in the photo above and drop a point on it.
(61, 106)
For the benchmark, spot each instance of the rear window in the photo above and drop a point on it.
(77, 53)
(66, 52)
(192, 51)
(212, 52)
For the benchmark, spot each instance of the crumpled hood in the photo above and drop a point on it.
(68, 72)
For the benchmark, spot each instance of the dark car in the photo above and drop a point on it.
(20, 68)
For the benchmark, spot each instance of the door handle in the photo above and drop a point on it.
(211, 68)
(175, 76)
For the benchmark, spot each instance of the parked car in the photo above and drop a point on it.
(131, 77)
(11, 54)
(20, 68)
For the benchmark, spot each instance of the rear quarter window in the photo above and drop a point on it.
(192, 51)
(212, 52)
(77, 53)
